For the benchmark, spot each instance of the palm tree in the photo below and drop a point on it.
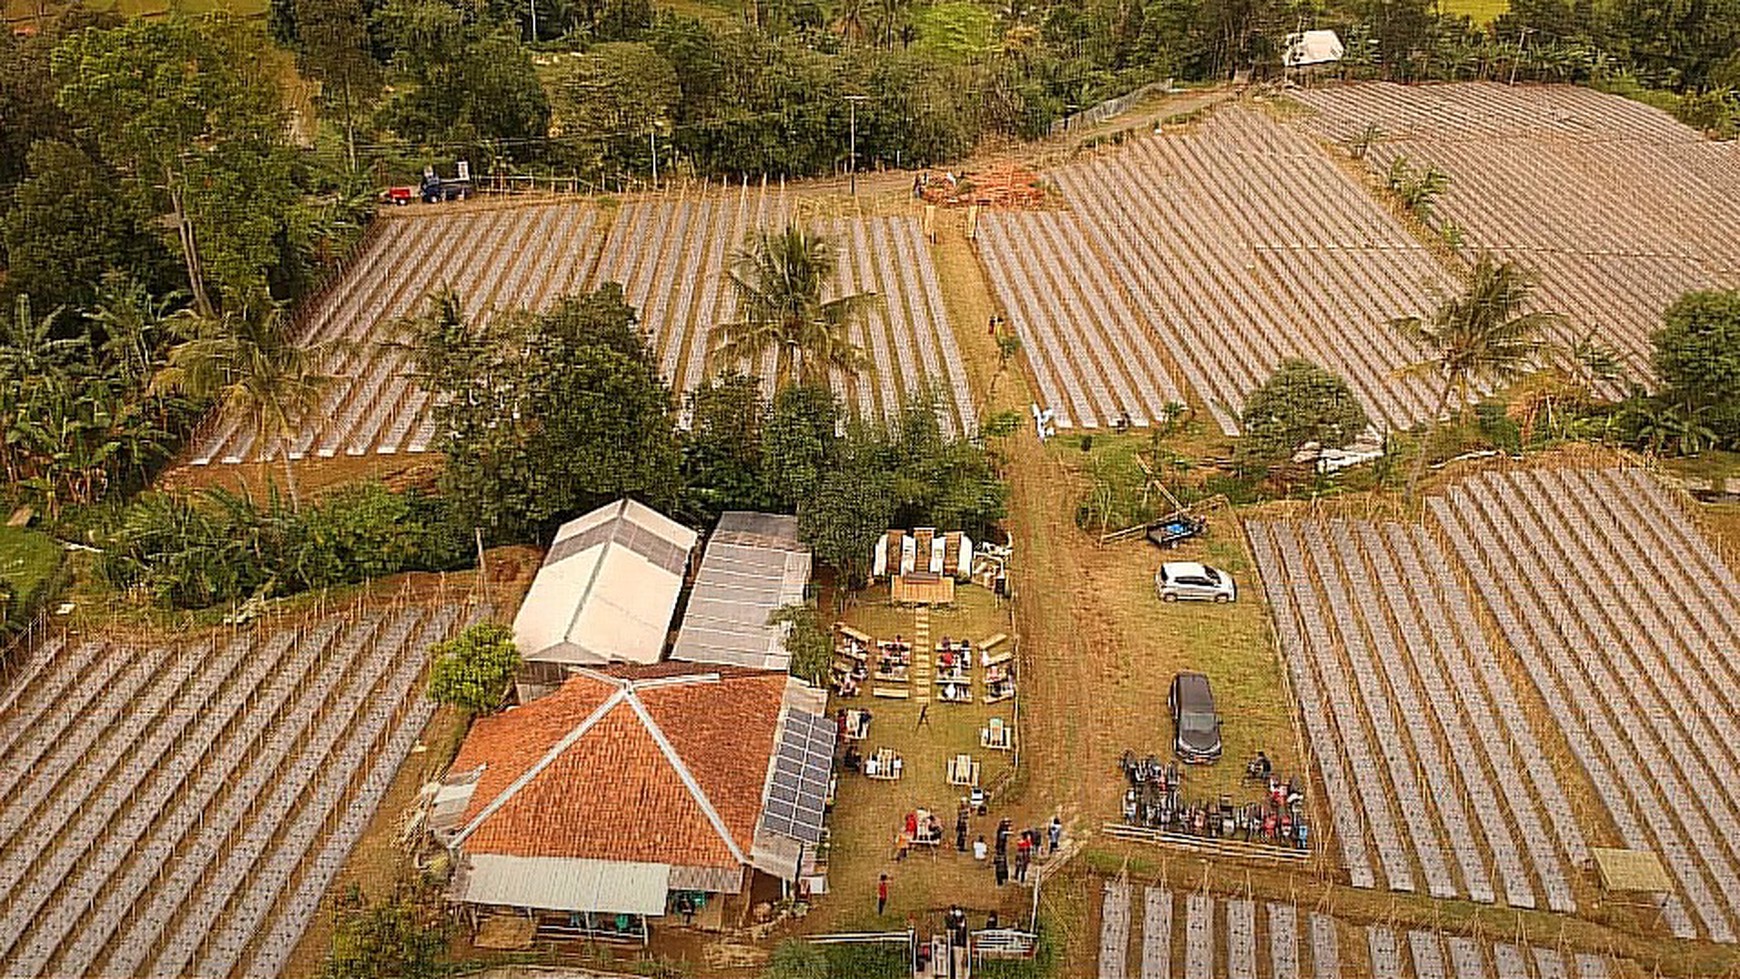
(1482, 334)
(779, 280)
(254, 366)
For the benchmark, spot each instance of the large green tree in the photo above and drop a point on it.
(188, 111)
(1483, 334)
(71, 222)
(334, 47)
(782, 281)
(472, 671)
(722, 452)
(1697, 358)
(1299, 403)
(547, 415)
(469, 85)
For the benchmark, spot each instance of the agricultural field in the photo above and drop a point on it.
(1239, 243)
(179, 807)
(1397, 688)
(1092, 358)
(1618, 208)
(1625, 619)
(1154, 932)
(669, 252)
(496, 258)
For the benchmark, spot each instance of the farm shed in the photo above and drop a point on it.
(752, 567)
(630, 786)
(607, 589)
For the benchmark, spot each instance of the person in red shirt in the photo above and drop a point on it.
(881, 895)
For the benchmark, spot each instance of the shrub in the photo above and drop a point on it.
(472, 670)
(795, 958)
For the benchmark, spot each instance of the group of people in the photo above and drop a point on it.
(921, 828)
(1028, 844)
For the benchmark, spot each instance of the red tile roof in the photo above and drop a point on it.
(614, 794)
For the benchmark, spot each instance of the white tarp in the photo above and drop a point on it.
(566, 884)
(1312, 48)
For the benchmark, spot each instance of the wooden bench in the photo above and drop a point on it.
(988, 644)
(891, 693)
(851, 633)
(998, 698)
(988, 660)
(884, 766)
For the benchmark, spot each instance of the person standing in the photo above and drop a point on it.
(881, 895)
(979, 848)
(1054, 833)
(1003, 837)
(1002, 866)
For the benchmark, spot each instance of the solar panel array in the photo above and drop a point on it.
(798, 796)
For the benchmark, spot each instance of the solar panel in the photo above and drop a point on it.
(797, 798)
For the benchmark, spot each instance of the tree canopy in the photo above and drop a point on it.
(547, 414)
(472, 671)
(1697, 358)
(1301, 402)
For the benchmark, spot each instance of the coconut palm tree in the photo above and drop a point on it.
(252, 364)
(780, 279)
(1479, 335)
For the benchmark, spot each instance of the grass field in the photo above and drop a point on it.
(29, 563)
(868, 814)
(1480, 11)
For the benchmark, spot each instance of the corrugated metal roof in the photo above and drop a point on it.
(753, 566)
(565, 884)
(607, 589)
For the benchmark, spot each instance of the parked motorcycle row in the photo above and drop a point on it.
(1154, 799)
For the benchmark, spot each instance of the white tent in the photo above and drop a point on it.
(1312, 48)
(607, 589)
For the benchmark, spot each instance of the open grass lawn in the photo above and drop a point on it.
(29, 563)
(868, 814)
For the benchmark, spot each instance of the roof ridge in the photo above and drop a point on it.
(688, 777)
(556, 751)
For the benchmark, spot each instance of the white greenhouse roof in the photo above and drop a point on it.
(565, 884)
(607, 589)
(752, 567)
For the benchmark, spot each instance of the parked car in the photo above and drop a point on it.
(1195, 725)
(1189, 581)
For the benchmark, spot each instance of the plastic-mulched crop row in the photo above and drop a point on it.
(206, 777)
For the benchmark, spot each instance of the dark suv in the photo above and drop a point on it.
(1196, 725)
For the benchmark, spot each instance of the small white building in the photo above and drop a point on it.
(607, 589)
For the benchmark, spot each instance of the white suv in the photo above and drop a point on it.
(1189, 581)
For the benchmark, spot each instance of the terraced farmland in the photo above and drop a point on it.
(1238, 243)
(1200, 936)
(669, 253)
(1626, 621)
(501, 258)
(1424, 748)
(1617, 207)
(1093, 358)
(179, 809)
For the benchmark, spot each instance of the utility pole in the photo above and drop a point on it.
(1524, 36)
(652, 140)
(534, 4)
(852, 160)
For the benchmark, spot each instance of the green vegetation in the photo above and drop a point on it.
(31, 566)
(1697, 357)
(473, 670)
(1299, 403)
(779, 282)
(809, 641)
(1481, 334)
(399, 938)
(219, 548)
